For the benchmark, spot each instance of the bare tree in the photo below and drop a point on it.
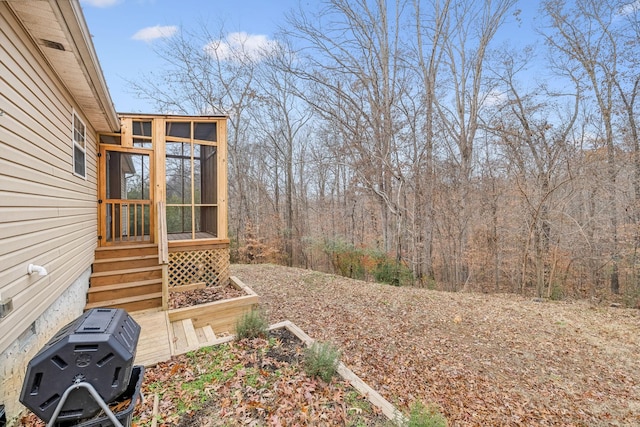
(536, 140)
(627, 83)
(473, 25)
(352, 68)
(430, 32)
(585, 34)
(280, 119)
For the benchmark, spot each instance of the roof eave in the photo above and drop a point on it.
(72, 13)
(70, 54)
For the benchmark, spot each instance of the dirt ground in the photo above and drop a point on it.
(486, 360)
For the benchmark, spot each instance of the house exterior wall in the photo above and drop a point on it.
(14, 359)
(47, 214)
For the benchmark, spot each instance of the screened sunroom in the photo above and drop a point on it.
(163, 192)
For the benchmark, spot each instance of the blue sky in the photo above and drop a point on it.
(124, 33)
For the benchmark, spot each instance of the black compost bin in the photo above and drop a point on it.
(98, 348)
(125, 416)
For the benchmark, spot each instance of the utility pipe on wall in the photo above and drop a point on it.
(37, 269)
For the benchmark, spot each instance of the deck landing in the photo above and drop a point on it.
(160, 338)
(154, 344)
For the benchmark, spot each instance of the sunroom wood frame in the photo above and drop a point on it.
(189, 257)
(157, 158)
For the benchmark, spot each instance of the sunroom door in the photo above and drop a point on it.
(126, 200)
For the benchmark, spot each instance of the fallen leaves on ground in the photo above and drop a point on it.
(181, 299)
(486, 360)
(250, 382)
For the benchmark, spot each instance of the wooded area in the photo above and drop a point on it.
(416, 142)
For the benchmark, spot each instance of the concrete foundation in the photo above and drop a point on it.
(14, 360)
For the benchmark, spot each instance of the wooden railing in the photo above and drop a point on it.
(163, 243)
(163, 251)
(128, 220)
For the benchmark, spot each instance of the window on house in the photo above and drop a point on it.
(79, 147)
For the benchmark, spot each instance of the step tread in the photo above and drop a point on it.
(128, 271)
(126, 258)
(190, 332)
(125, 247)
(118, 286)
(208, 333)
(126, 300)
(125, 251)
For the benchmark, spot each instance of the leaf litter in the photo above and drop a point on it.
(484, 360)
(250, 382)
(498, 360)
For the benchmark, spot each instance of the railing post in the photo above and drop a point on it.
(163, 252)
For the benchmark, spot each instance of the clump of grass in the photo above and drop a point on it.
(421, 415)
(321, 360)
(252, 324)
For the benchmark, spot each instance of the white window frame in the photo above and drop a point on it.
(80, 145)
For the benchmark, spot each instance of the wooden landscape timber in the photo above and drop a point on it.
(166, 333)
(220, 315)
(356, 382)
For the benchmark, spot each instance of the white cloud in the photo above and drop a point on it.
(101, 3)
(495, 98)
(629, 8)
(158, 32)
(241, 46)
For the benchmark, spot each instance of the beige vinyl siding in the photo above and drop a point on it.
(47, 214)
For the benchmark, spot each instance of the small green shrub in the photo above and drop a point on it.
(392, 272)
(347, 260)
(425, 416)
(631, 297)
(556, 293)
(321, 360)
(252, 324)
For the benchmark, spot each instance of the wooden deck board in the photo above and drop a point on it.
(208, 333)
(168, 333)
(190, 332)
(154, 343)
(179, 337)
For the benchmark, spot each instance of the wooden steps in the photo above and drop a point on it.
(127, 276)
(160, 338)
(134, 303)
(187, 337)
(154, 344)
(109, 264)
(124, 290)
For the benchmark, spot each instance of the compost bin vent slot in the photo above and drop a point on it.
(116, 375)
(85, 347)
(59, 362)
(35, 387)
(105, 360)
(50, 401)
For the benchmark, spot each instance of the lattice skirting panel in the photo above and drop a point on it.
(209, 266)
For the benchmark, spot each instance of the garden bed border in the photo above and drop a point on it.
(220, 315)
